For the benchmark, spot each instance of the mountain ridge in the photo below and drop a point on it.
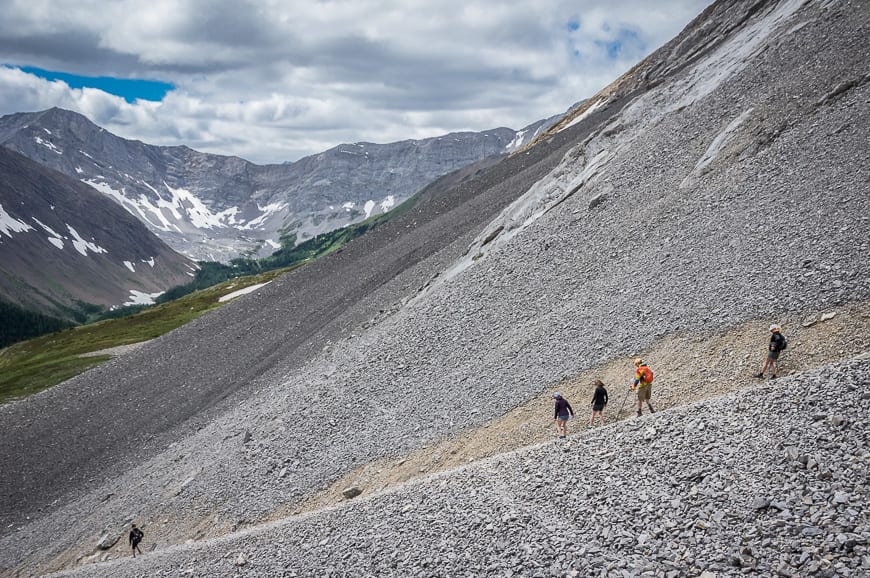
(217, 207)
(63, 244)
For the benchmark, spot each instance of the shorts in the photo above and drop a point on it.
(597, 408)
(563, 417)
(773, 355)
(644, 393)
(134, 543)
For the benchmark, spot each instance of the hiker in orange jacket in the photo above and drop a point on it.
(643, 379)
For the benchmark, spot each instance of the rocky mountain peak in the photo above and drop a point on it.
(217, 207)
(63, 243)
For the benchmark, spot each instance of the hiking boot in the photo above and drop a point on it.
(651, 410)
(773, 376)
(639, 413)
(759, 375)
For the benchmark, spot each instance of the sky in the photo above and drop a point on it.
(273, 81)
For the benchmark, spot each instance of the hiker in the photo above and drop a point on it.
(599, 400)
(643, 379)
(136, 536)
(776, 345)
(562, 412)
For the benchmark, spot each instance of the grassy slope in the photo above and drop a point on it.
(37, 364)
(31, 366)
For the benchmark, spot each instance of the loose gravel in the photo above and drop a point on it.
(733, 189)
(769, 481)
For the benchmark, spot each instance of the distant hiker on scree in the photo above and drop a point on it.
(136, 536)
(599, 401)
(563, 411)
(776, 345)
(643, 379)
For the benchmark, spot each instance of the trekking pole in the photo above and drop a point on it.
(627, 391)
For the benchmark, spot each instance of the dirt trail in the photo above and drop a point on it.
(687, 367)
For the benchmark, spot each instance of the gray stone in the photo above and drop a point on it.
(351, 492)
(107, 540)
(597, 200)
(841, 498)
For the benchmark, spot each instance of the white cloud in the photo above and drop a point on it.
(271, 81)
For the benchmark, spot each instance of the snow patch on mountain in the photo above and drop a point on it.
(49, 145)
(141, 298)
(9, 224)
(200, 216)
(240, 292)
(267, 211)
(56, 238)
(388, 203)
(368, 208)
(182, 207)
(144, 209)
(517, 142)
(83, 246)
(130, 266)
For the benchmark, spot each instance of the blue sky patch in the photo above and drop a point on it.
(611, 47)
(624, 38)
(129, 89)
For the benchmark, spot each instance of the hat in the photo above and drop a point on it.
(557, 395)
(774, 327)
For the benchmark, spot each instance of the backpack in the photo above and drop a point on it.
(646, 374)
(778, 342)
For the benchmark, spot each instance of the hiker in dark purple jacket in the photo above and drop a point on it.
(562, 412)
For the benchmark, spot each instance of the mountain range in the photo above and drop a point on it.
(213, 207)
(63, 244)
(366, 414)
